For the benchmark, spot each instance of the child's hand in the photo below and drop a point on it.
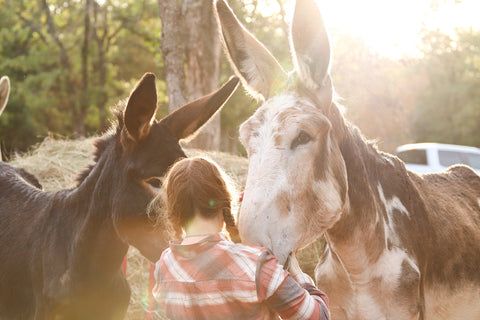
(292, 265)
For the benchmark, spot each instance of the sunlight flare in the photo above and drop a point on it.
(389, 27)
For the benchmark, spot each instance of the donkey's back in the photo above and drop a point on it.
(452, 198)
(21, 204)
(451, 243)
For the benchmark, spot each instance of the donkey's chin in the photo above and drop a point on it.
(282, 254)
(283, 259)
(151, 252)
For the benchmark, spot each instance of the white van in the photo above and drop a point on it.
(435, 157)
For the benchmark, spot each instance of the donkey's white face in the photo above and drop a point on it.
(293, 194)
(296, 184)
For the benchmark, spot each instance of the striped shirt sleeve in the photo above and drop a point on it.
(291, 297)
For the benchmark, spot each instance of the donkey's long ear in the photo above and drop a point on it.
(141, 108)
(311, 48)
(4, 92)
(249, 58)
(187, 119)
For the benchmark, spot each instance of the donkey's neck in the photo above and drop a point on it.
(90, 206)
(90, 200)
(358, 237)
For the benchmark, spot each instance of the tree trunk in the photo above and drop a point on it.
(173, 51)
(190, 38)
(203, 63)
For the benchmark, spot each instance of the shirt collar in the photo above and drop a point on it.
(193, 249)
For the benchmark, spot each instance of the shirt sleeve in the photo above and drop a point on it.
(290, 297)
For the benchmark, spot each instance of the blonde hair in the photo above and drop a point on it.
(197, 184)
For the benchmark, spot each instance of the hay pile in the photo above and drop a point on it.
(56, 162)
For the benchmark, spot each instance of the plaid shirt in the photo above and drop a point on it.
(218, 279)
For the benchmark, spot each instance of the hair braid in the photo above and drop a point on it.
(178, 233)
(230, 225)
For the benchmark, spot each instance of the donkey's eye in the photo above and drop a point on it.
(302, 138)
(155, 182)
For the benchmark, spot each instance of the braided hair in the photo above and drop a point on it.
(198, 184)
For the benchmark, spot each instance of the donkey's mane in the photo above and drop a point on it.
(352, 139)
(366, 146)
(101, 143)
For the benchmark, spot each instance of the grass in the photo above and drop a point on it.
(57, 161)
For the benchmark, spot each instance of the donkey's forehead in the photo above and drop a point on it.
(278, 111)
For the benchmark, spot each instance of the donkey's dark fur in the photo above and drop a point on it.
(62, 251)
(27, 176)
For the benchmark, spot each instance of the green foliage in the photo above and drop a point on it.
(448, 108)
(45, 64)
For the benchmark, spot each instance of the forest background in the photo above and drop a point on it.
(71, 61)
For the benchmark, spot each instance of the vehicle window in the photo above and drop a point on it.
(449, 158)
(414, 156)
(473, 160)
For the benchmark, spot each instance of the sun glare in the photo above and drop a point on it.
(391, 27)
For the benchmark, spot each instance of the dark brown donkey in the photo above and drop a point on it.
(399, 246)
(61, 252)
